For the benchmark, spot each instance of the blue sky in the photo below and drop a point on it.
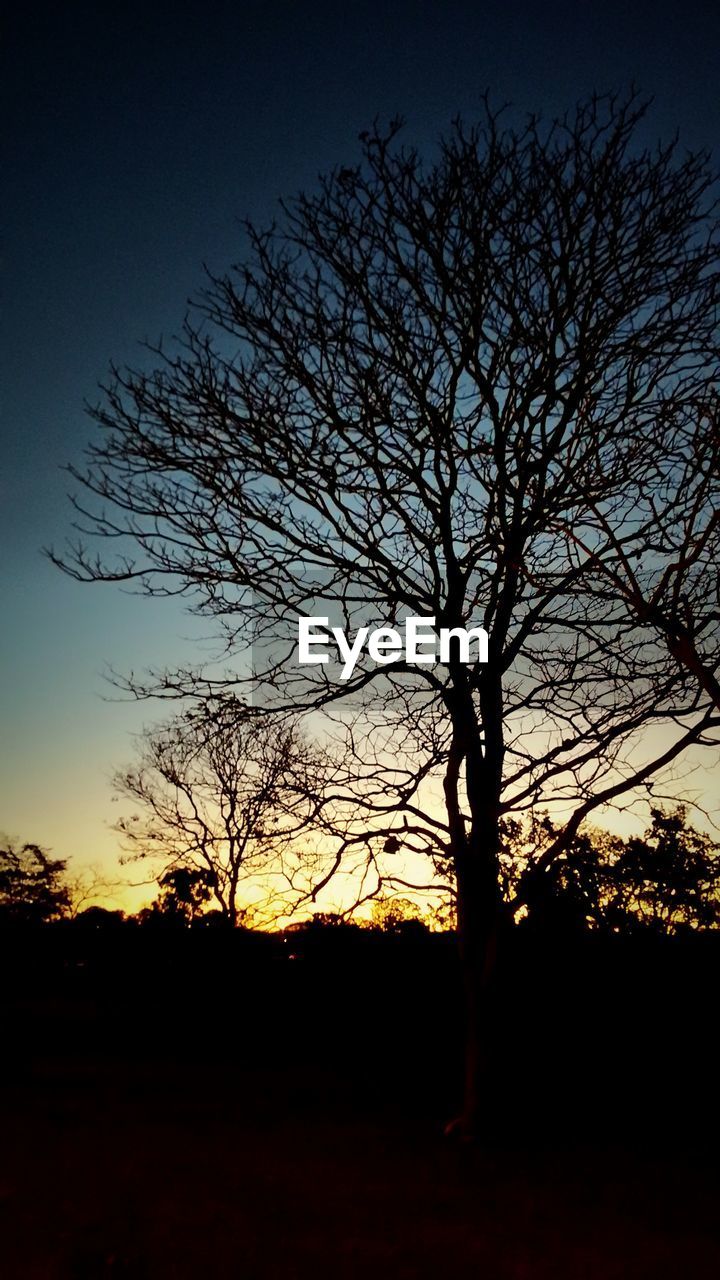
(134, 140)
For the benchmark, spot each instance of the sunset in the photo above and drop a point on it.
(360, 854)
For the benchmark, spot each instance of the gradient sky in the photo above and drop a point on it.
(134, 138)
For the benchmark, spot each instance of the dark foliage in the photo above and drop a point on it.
(184, 893)
(32, 888)
(667, 880)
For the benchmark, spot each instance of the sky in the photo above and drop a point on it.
(135, 137)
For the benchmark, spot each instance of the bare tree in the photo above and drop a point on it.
(464, 390)
(223, 796)
(90, 887)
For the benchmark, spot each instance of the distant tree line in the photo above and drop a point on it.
(666, 881)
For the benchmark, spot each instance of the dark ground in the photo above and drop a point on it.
(206, 1107)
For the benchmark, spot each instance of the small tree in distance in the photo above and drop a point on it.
(220, 801)
(183, 898)
(398, 915)
(473, 390)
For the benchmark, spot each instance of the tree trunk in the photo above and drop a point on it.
(479, 901)
(479, 914)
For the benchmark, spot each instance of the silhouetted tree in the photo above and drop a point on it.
(32, 885)
(221, 795)
(324, 920)
(667, 880)
(184, 894)
(89, 886)
(100, 918)
(460, 390)
(397, 915)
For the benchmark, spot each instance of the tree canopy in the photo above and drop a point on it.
(32, 886)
